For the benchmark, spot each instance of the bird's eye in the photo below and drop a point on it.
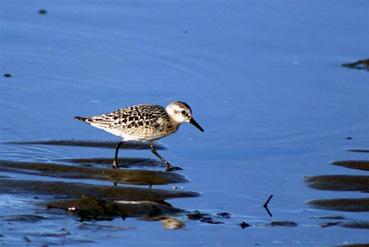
(183, 112)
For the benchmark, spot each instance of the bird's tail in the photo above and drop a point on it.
(82, 119)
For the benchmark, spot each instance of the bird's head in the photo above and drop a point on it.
(180, 112)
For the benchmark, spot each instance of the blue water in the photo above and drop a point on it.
(263, 78)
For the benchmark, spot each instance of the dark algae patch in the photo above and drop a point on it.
(77, 190)
(282, 223)
(204, 217)
(136, 177)
(359, 150)
(356, 224)
(42, 11)
(350, 224)
(339, 182)
(224, 215)
(342, 183)
(360, 64)
(353, 164)
(196, 215)
(244, 225)
(90, 208)
(350, 205)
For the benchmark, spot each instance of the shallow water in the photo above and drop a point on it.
(264, 79)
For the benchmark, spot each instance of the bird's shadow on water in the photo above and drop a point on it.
(354, 183)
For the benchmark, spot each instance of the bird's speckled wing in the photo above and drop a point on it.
(146, 122)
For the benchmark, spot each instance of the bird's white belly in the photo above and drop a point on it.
(128, 137)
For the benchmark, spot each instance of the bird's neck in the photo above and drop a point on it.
(173, 125)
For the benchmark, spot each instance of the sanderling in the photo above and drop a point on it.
(145, 123)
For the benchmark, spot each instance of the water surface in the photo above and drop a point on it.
(264, 79)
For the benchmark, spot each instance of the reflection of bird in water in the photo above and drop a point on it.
(145, 123)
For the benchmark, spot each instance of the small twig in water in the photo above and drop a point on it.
(267, 201)
(266, 205)
(267, 209)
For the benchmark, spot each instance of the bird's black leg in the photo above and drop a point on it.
(168, 166)
(115, 162)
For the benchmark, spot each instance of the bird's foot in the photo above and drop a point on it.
(115, 164)
(171, 168)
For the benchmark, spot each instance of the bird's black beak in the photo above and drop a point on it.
(196, 124)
